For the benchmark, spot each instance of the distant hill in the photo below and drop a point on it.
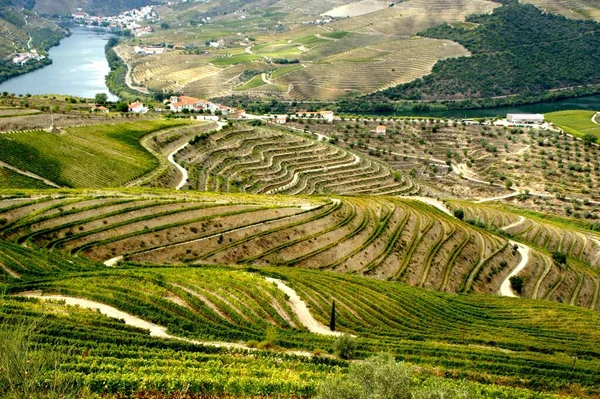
(95, 7)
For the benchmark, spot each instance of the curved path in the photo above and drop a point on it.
(505, 287)
(515, 224)
(523, 250)
(155, 329)
(595, 118)
(301, 310)
(181, 169)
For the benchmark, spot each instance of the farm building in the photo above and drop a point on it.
(381, 129)
(100, 108)
(149, 50)
(180, 103)
(326, 115)
(213, 118)
(281, 119)
(525, 118)
(138, 108)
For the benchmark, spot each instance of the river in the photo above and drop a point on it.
(590, 103)
(78, 68)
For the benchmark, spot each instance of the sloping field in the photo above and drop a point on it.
(576, 9)
(88, 156)
(272, 160)
(577, 123)
(577, 282)
(367, 69)
(410, 17)
(357, 8)
(385, 238)
(469, 336)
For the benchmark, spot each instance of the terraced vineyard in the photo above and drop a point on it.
(88, 156)
(576, 282)
(483, 338)
(413, 16)
(374, 50)
(367, 69)
(272, 160)
(386, 238)
(578, 9)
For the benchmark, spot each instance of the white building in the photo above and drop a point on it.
(138, 108)
(525, 118)
(381, 129)
(213, 118)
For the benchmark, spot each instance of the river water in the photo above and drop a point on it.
(78, 68)
(590, 103)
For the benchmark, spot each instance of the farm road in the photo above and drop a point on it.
(505, 287)
(155, 330)
(181, 169)
(301, 310)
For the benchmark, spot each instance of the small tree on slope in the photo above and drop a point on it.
(332, 318)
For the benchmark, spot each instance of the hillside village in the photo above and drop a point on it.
(135, 21)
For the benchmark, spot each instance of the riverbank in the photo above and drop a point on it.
(78, 68)
(433, 110)
(117, 78)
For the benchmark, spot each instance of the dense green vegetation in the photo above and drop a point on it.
(516, 50)
(577, 123)
(11, 179)
(482, 338)
(93, 156)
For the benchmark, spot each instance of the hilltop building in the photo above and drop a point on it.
(180, 103)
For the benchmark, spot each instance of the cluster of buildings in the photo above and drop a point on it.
(22, 58)
(325, 115)
(193, 104)
(326, 19)
(131, 20)
(149, 50)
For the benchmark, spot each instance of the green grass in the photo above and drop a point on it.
(10, 179)
(335, 35)
(91, 156)
(464, 25)
(235, 59)
(484, 338)
(256, 81)
(577, 123)
(279, 72)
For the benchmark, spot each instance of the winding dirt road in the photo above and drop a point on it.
(301, 310)
(130, 320)
(181, 169)
(505, 287)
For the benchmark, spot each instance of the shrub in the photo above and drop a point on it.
(516, 283)
(382, 377)
(559, 257)
(345, 346)
(459, 213)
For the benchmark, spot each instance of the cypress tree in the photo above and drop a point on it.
(332, 319)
